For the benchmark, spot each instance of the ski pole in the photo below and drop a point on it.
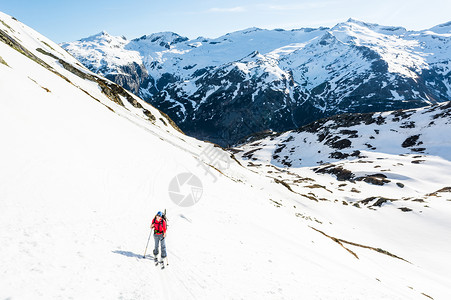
(147, 243)
(167, 260)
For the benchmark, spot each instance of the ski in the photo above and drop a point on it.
(150, 258)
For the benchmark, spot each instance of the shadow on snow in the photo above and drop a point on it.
(128, 254)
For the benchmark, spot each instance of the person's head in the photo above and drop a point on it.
(159, 215)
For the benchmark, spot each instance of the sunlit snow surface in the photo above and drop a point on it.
(81, 179)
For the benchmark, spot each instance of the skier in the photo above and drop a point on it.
(159, 234)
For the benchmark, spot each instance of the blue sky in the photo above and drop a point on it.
(71, 20)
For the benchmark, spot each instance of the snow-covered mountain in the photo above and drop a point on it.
(401, 150)
(84, 166)
(252, 80)
(419, 132)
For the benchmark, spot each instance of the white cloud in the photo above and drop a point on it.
(228, 9)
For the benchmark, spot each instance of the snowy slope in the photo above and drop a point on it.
(275, 79)
(379, 163)
(83, 170)
(381, 151)
(422, 131)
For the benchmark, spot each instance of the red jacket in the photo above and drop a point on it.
(159, 227)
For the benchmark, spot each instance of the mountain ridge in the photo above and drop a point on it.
(211, 87)
(344, 136)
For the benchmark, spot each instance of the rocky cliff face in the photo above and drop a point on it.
(253, 80)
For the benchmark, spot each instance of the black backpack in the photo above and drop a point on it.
(165, 218)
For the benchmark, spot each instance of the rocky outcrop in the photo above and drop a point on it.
(254, 80)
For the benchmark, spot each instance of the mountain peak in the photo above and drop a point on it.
(164, 38)
(351, 20)
(360, 23)
(251, 29)
(372, 26)
(245, 31)
(103, 35)
(100, 34)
